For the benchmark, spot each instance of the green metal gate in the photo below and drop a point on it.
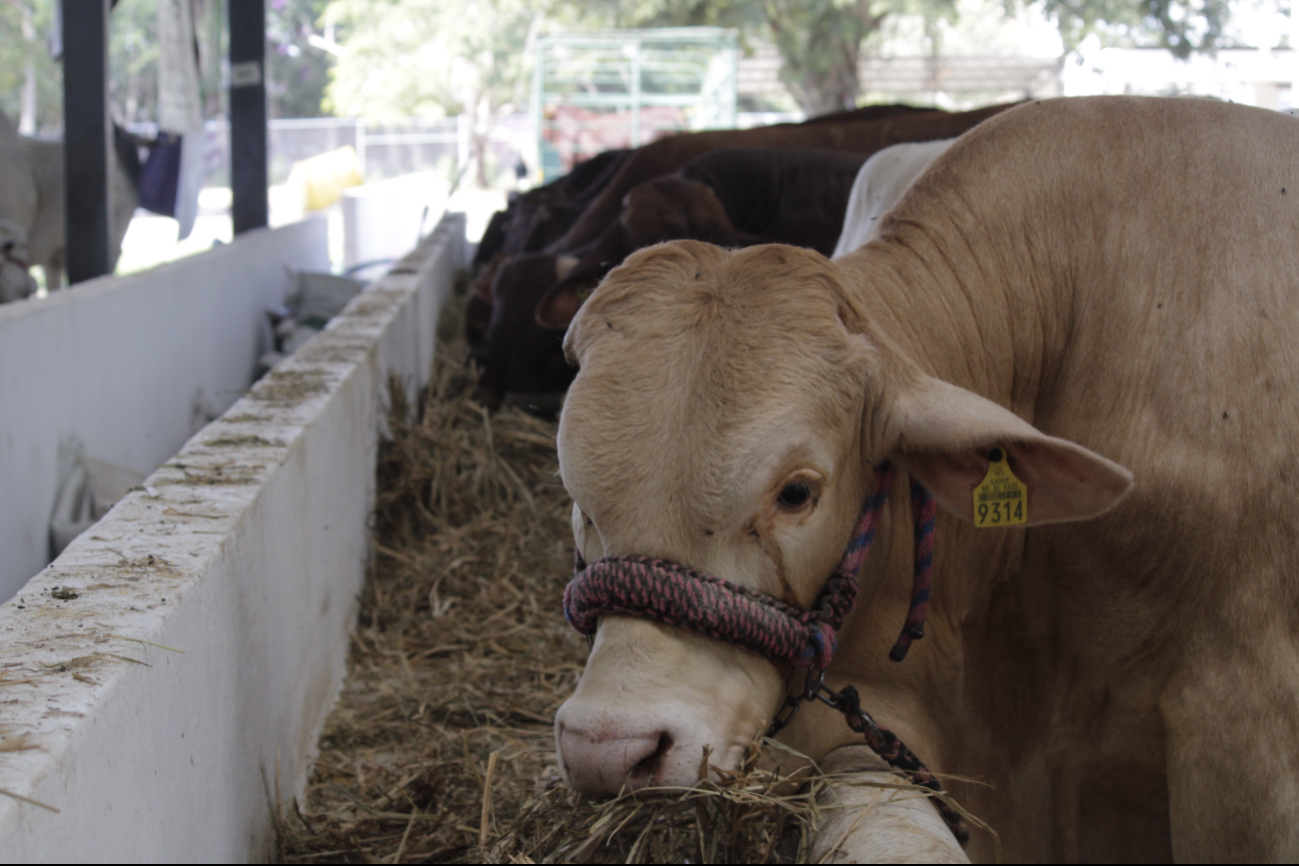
(623, 88)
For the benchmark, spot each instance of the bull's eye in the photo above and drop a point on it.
(795, 495)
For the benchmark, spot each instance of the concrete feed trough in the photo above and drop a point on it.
(165, 679)
(133, 367)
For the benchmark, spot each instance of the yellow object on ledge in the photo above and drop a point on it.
(323, 178)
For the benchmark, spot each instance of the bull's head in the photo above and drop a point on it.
(727, 416)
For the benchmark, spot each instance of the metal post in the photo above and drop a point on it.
(538, 119)
(636, 140)
(361, 145)
(248, 173)
(86, 132)
(462, 145)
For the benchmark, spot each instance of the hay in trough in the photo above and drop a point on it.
(441, 747)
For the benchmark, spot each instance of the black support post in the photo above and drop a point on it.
(86, 138)
(248, 157)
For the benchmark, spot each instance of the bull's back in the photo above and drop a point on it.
(1186, 297)
(1156, 239)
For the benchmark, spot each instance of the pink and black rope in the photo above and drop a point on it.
(710, 606)
(924, 516)
(713, 607)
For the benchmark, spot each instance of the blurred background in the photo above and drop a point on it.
(478, 98)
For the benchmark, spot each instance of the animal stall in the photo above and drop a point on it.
(166, 677)
(130, 367)
(441, 747)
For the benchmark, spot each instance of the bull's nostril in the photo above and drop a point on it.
(645, 769)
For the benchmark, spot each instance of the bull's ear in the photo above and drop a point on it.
(947, 434)
(558, 306)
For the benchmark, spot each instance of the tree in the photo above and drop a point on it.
(1181, 26)
(433, 58)
(133, 60)
(30, 81)
(297, 69)
(820, 41)
(471, 57)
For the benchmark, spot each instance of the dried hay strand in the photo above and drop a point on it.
(460, 655)
(441, 747)
(753, 815)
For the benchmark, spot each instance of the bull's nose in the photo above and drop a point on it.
(604, 766)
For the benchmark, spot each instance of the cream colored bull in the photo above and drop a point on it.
(1091, 284)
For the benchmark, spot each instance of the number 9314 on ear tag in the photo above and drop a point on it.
(1000, 499)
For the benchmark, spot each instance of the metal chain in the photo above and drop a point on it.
(884, 743)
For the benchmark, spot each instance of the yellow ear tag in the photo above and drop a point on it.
(1001, 499)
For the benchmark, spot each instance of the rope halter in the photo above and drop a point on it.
(710, 606)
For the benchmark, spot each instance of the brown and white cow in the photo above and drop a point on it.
(1107, 288)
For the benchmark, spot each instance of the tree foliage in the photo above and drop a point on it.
(438, 57)
(1181, 26)
(820, 43)
(297, 71)
(430, 57)
(24, 52)
(133, 60)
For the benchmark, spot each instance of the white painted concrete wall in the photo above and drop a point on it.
(382, 220)
(133, 366)
(175, 700)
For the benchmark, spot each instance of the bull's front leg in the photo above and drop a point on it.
(866, 823)
(1231, 719)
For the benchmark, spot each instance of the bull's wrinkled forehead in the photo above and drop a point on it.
(702, 371)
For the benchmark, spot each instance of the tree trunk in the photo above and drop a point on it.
(820, 44)
(482, 118)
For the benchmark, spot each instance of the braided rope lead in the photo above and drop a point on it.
(924, 516)
(886, 744)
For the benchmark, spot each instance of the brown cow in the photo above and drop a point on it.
(752, 195)
(536, 219)
(732, 197)
(862, 133)
(517, 354)
(865, 131)
(1119, 676)
(546, 213)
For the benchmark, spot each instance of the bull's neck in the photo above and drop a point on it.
(929, 291)
(987, 312)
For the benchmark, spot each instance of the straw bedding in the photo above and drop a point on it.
(441, 747)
